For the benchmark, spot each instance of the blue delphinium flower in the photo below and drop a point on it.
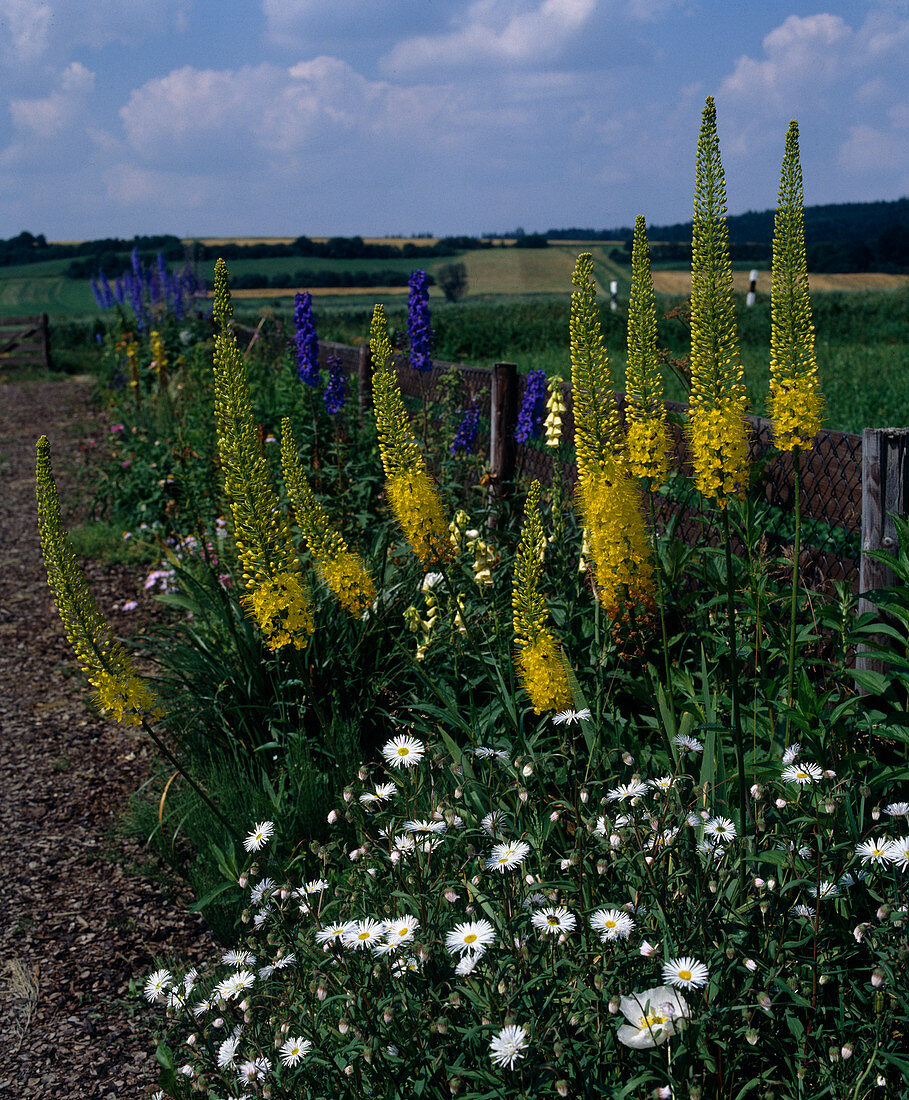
(466, 435)
(533, 405)
(336, 387)
(306, 340)
(418, 326)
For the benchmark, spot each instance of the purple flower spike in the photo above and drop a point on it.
(418, 326)
(336, 387)
(306, 340)
(466, 435)
(533, 405)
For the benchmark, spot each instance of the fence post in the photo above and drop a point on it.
(364, 373)
(45, 340)
(885, 493)
(503, 407)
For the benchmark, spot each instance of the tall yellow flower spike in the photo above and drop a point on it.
(796, 403)
(645, 414)
(342, 570)
(412, 493)
(541, 665)
(118, 688)
(275, 595)
(608, 496)
(718, 429)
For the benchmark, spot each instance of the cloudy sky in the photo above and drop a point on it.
(285, 117)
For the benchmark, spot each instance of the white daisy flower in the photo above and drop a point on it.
(662, 839)
(601, 828)
(402, 843)
(365, 933)
(294, 1050)
(570, 717)
(254, 1070)
(662, 782)
(157, 985)
(403, 751)
(508, 1046)
(493, 822)
(612, 924)
(260, 836)
(686, 973)
(227, 1051)
(238, 958)
(258, 892)
(711, 848)
(233, 986)
(899, 853)
(897, 809)
(686, 743)
(507, 856)
(874, 851)
(721, 828)
(653, 1017)
(467, 964)
(790, 755)
(472, 936)
(424, 826)
(284, 961)
(316, 886)
(553, 919)
(803, 911)
(627, 791)
(802, 773)
(825, 890)
(401, 930)
(333, 932)
(484, 752)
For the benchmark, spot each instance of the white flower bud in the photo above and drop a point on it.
(332, 817)
(780, 803)
(751, 965)
(627, 758)
(527, 770)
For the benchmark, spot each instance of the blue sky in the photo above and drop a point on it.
(288, 117)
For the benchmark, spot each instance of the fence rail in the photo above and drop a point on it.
(24, 342)
(852, 485)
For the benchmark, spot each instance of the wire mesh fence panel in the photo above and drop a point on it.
(831, 472)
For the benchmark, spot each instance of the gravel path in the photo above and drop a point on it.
(78, 919)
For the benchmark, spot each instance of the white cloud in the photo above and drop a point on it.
(802, 53)
(36, 30)
(51, 115)
(495, 30)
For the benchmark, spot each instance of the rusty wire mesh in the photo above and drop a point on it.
(831, 474)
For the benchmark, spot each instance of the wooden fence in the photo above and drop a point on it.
(852, 485)
(24, 342)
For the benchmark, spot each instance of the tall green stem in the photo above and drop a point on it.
(734, 675)
(658, 569)
(793, 602)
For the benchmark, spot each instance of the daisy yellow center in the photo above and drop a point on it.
(363, 935)
(802, 775)
(403, 751)
(552, 920)
(685, 975)
(609, 924)
(470, 939)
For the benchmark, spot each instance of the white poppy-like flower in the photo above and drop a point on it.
(653, 1017)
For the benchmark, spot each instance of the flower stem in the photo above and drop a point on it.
(734, 676)
(793, 603)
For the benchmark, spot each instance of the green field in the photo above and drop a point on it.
(516, 309)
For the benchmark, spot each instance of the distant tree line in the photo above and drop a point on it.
(284, 279)
(28, 248)
(848, 237)
(339, 248)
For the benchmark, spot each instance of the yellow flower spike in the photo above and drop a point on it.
(555, 410)
(412, 494)
(645, 415)
(607, 494)
(718, 431)
(275, 594)
(119, 689)
(159, 355)
(541, 665)
(796, 403)
(343, 571)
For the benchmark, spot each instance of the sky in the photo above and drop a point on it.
(440, 117)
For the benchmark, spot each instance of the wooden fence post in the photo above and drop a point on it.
(503, 407)
(364, 373)
(885, 493)
(45, 340)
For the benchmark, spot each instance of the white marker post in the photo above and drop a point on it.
(752, 289)
(614, 295)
